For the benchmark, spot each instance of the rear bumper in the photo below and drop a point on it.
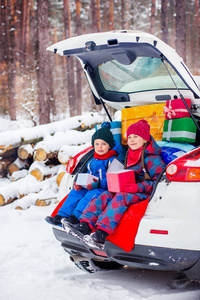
(142, 256)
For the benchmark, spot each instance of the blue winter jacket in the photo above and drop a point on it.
(78, 200)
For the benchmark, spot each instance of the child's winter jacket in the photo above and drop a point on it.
(78, 200)
(106, 211)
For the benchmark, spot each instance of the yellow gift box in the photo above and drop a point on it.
(153, 114)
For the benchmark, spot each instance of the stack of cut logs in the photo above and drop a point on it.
(33, 159)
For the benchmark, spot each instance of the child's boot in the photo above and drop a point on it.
(77, 230)
(99, 236)
(96, 239)
(54, 220)
(72, 219)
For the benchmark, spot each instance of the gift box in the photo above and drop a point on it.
(115, 165)
(84, 179)
(153, 114)
(181, 130)
(117, 180)
(176, 108)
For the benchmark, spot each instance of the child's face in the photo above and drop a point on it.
(135, 141)
(101, 147)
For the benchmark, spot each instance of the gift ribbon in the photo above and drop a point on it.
(169, 130)
(177, 134)
(172, 112)
(169, 111)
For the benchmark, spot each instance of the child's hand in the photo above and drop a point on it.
(131, 188)
(93, 185)
(77, 187)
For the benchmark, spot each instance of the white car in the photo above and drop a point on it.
(130, 69)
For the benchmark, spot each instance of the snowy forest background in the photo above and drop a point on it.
(42, 87)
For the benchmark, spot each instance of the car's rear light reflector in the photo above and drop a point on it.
(156, 231)
(73, 162)
(100, 253)
(172, 169)
(193, 174)
(183, 173)
(70, 165)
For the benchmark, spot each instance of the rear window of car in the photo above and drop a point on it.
(144, 74)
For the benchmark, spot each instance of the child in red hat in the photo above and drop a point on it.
(104, 213)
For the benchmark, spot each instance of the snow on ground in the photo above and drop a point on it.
(34, 266)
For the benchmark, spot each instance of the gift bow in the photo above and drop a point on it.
(169, 111)
(172, 112)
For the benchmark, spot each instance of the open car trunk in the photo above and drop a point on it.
(132, 69)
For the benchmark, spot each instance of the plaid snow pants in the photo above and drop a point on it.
(106, 211)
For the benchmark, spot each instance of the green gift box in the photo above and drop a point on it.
(182, 130)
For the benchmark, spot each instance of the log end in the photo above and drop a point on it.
(12, 168)
(23, 153)
(41, 203)
(40, 154)
(2, 200)
(37, 174)
(19, 208)
(59, 178)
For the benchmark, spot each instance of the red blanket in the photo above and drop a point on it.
(55, 212)
(125, 233)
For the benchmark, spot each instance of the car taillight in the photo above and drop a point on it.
(70, 165)
(73, 162)
(185, 168)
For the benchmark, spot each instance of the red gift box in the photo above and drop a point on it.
(117, 180)
(176, 109)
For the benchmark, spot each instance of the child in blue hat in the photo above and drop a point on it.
(105, 150)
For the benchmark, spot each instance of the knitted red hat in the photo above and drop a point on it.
(140, 128)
